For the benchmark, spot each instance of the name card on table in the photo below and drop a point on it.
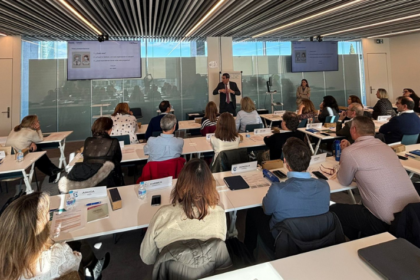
(314, 126)
(158, 183)
(260, 131)
(96, 192)
(121, 144)
(208, 136)
(281, 112)
(318, 158)
(244, 167)
(384, 118)
(2, 154)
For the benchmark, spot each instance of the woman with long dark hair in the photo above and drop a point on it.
(328, 107)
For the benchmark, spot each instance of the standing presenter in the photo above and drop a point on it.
(227, 91)
(303, 92)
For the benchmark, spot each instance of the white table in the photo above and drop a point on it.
(319, 136)
(10, 165)
(411, 165)
(100, 109)
(272, 118)
(334, 262)
(134, 214)
(59, 139)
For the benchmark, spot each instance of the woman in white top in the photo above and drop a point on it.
(28, 252)
(225, 137)
(193, 214)
(247, 115)
(124, 122)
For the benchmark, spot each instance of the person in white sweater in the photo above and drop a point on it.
(27, 250)
(225, 137)
(247, 115)
(193, 214)
(27, 135)
(124, 123)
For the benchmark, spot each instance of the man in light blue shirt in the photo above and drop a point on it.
(299, 196)
(166, 146)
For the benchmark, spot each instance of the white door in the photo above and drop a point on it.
(6, 70)
(377, 76)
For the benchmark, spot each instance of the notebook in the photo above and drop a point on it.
(236, 183)
(415, 152)
(97, 212)
(395, 259)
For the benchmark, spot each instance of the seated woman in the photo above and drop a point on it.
(353, 99)
(408, 92)
(26, 135)
(193, 214)
(225, 137)
(247, 115)
(124, 123)
(101, 164)
(306, 110)
(383, 107)
(28, 252)
(276, 141)
(327, 108)
(210, 118)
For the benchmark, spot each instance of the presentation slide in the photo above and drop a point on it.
(314, 56)
(103, 60)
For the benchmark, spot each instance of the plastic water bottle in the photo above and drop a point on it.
(337, 149)
(70, 201)
(19, 156)
(142, 191)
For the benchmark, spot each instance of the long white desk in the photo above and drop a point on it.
(134, 214)
(411, 165)
(334, 262)
(272, 118)
(10, 165)
(182, 125)
(320, 137)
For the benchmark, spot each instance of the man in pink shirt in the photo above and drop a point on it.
(384, 185)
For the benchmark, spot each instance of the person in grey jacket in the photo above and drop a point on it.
(383, 107)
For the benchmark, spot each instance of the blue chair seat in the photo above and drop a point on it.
(252, 127)
(409, 139)
(125, 138)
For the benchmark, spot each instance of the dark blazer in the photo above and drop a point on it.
(405, 124)
(154, 125)
(341, 130)
(233, 86)
(382, 107)
(276, 141)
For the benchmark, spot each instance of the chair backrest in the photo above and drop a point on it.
(7, 150)
(252, 127)
(208, 129)
(156, 133)
(330, 119)
(409, 139)
(304, 234)
(137, 112)
(125, 138)
(225, 159)
(161, 169)
(191, 259)
(303, 123)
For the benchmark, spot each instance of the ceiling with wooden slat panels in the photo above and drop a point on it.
(42, 20)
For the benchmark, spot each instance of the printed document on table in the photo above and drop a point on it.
(68, 221)
(256, 181)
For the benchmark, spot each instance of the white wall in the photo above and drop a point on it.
(405, 62)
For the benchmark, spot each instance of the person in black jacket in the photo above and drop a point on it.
(343, 129)
(383, 107)
(328, 108)
(408, 92)
(227, 101)
(276, 141)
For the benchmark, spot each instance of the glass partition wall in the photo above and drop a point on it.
(260, 60)
(174, 71)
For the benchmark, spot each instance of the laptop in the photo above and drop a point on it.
(395, 259)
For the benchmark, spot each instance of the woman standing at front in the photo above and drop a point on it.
(303, 92)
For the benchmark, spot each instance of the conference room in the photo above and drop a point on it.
(111, 110)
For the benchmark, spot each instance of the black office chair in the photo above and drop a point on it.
(137, 113)
(303, 123)
(252, 127)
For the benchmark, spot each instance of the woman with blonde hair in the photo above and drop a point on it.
(28, 252)
(124, 123)
(306, 110)
(383, 107)
(225, 137)
(25, 136)
(193, 214)
(247, 115)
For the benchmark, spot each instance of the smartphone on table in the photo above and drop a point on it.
(319, 175)
(156, 200)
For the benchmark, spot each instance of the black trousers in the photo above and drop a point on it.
(357, 219)
(44, 164)
(257, 223)
(88, 257)
(230, 108)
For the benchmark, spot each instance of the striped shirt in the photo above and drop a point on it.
(206, 122)
(243, 119)
(383, 183)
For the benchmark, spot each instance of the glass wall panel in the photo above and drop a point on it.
(171, 71)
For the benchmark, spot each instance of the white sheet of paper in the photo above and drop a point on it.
(121, 144)
(255, 181)
(68, 221)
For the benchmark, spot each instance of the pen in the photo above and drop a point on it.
(93, 203)
(407, 155)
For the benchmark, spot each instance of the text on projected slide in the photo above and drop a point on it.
(105, 60)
